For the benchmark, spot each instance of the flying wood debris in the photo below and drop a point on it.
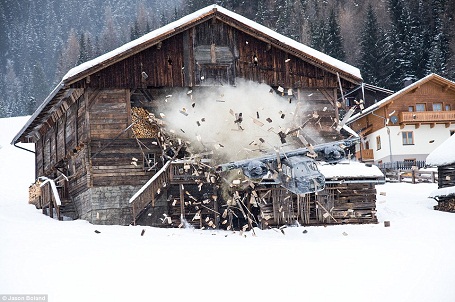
(257, 122)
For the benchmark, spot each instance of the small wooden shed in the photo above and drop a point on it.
(443, 157)
(350, 192)
(90, 140)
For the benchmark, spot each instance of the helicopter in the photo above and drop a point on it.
(295, 170)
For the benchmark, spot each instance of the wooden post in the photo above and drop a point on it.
(182, 202)
(51, 207)
(134, 213)
(413, 173)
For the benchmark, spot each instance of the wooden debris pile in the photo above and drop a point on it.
(145, 125)
(192, 206)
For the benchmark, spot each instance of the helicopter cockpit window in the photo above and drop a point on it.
(312, 166)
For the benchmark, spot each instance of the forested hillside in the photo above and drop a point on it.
(389, 40)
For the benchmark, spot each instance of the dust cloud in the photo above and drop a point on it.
(238, 122)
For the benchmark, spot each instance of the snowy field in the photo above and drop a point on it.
(412, 260)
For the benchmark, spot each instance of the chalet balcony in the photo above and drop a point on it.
(366, 154)
(427, 117)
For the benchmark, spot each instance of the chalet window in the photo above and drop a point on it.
(378, 142)
(411, 108)
(408, 137)
(420, 107)
(149, 161)
(437, 106)
(447, 107)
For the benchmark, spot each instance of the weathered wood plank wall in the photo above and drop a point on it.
(112, 166)
(212, 49)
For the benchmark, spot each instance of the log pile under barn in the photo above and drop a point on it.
(34, 194)
(349, 203)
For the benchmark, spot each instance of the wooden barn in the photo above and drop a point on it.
(100, 139)
(443, 157)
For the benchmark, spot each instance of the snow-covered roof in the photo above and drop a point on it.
(399, 93)
(318, 56)
(444, 154)
(443, 192)
(350, 169)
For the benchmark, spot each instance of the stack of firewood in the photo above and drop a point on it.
(144, 125)
(34, 192)
(447, 205)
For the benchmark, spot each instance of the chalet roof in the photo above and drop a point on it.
(261, 32)
(350, 170)
(431, 77)
(443, 154)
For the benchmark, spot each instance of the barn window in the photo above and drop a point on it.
(150, 161)
(408, 137)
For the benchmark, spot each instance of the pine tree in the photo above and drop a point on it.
(439, 51)
(400, 43)
(69, 55)
(283, 13)
(109, 38)
(13, 104)
(333, 39)
(39, 86)
(371, 44)
(83, 50)
(261, 11)
(318, 35)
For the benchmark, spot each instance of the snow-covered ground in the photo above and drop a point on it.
(412, 260)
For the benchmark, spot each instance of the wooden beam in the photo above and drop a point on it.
(182, 202)
(415, 89)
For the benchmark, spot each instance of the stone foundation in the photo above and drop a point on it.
(106, 205)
